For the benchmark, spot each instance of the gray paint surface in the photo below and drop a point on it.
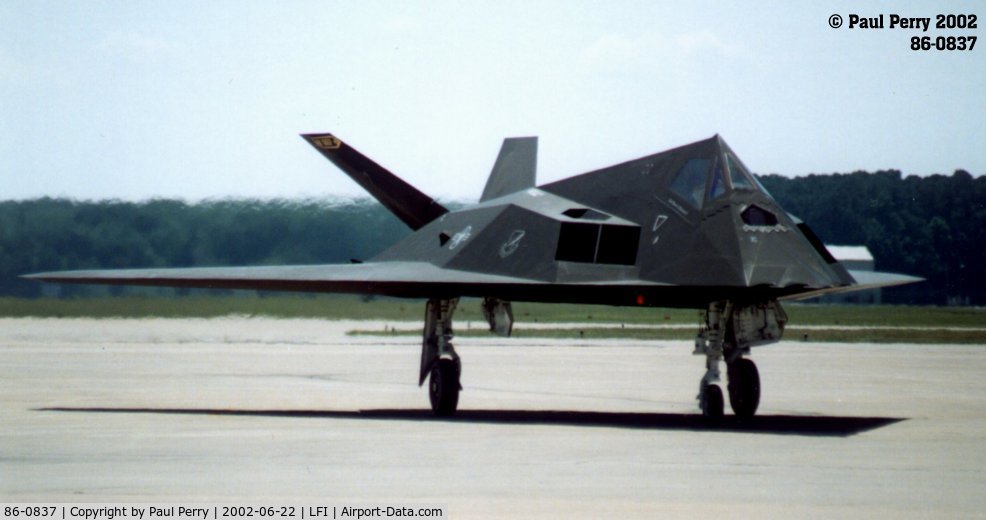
(630, 234)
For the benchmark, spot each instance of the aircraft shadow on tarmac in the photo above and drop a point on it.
(822, 426)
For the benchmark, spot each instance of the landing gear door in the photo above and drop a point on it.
(499, 315)
(761, 324)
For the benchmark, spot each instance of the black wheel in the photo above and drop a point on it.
(744, 387)
(443, 387)
(712, 403)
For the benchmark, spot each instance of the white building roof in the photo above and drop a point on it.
(858, 253)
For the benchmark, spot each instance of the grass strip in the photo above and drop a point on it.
(792, 334)
(354, 307)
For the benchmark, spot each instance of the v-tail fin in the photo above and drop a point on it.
(413, 207)
(515, 168)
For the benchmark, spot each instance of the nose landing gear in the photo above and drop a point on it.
(728, 334)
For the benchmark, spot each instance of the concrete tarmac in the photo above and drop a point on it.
(247, 410)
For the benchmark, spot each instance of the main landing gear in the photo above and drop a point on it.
(728, 334)
(439, 362)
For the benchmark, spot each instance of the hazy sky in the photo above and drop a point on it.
(136, 99)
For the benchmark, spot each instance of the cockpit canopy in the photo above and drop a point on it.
(702, 179)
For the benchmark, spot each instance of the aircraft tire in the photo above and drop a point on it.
(744, 387)
(712, 404)
(443, 388)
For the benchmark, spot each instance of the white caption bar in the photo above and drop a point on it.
(194, 511)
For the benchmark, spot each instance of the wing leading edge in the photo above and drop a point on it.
(406, 279)
(424, 280)
(864, 280)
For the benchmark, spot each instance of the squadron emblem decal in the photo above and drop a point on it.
(512, 243)
(460, 237)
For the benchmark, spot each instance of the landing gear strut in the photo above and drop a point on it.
(728, 333)
(439, 361)
(712, 344)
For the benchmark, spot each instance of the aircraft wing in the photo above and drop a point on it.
(424, 280)
(864, 280)
(406, 279)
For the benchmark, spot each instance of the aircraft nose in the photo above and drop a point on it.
(774, 250)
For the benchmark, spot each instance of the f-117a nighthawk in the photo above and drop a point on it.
(689, 228)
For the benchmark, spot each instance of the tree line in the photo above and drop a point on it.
(59, 234)
(933, 227)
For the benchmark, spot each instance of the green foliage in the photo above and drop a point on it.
(933, 227)
(876, 323)
(57, 234)
(278, 305)
(935, 336)
(350, 307)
